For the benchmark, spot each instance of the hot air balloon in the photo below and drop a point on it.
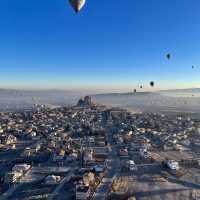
(168, 56)
(77, 4)
(152, 84)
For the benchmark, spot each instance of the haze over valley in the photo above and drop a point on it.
(182, 100)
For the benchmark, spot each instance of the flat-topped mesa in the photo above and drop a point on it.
(87, 101)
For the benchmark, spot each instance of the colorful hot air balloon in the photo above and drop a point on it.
(77, 4)
(152, 84)
(168, 56)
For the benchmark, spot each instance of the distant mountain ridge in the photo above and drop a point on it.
(100, 94)
(188, 90)
(125, 94)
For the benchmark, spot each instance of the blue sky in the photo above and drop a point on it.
(110, 44)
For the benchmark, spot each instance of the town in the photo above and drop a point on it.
(96, 152)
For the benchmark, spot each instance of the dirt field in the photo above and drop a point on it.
(149, 185)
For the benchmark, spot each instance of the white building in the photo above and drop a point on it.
(21, 168)
(173, 165)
